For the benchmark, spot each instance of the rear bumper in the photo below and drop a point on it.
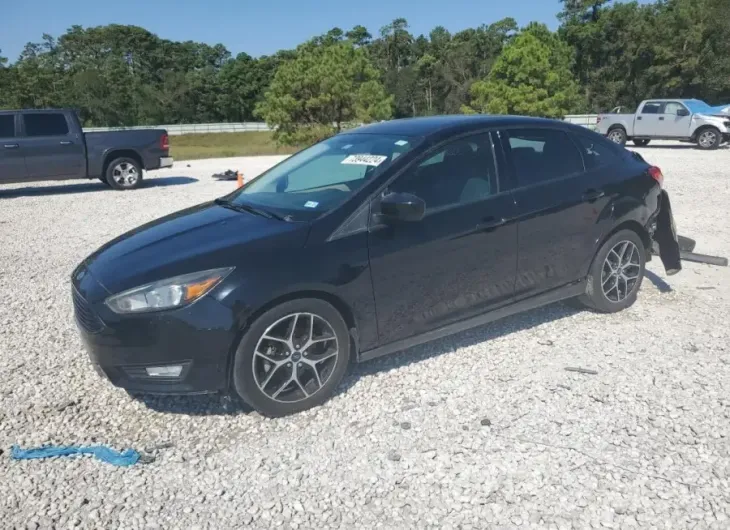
(166, 161)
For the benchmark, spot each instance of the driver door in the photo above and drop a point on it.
(460, 259)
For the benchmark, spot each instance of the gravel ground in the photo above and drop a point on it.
(484, 429)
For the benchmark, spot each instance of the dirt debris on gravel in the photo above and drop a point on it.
(645, 442)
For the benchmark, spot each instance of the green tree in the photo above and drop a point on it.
(359, 36)
(532, 77)
(322, 89)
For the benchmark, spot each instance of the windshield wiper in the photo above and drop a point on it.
(249, 209)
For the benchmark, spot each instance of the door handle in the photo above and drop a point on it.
(491, 223)
(592, 195)
(638, 117)
(661, 118)
(11, 146)
(66, 142)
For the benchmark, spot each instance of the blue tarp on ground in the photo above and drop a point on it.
(105, 454)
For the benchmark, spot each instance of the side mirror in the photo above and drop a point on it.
(402, 207)
(682, 112)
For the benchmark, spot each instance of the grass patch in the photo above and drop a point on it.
(221, 145)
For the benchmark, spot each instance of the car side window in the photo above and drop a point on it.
(672, 108)
(461, 172)
(653, 108)
(7, 126)
(596, 153)
(42, 124)
(542, 155)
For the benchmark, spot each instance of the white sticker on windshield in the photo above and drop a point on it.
(365, 160)
(401, 142)
(311, 204)
(345, 147)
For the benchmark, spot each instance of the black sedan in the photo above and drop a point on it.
(367, 243)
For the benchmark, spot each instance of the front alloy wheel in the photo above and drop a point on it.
(709, 139)
(292, 357)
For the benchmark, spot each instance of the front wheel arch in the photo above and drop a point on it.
(706, 128)
(335, 301)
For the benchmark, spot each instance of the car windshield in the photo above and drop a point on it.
(316, 180)
(695, 106)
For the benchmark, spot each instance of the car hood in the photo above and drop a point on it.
(203, 237)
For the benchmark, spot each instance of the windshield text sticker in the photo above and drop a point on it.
(365, 160)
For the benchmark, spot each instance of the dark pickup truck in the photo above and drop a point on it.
(50, 145)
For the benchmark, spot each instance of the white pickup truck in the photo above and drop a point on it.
(685, 120)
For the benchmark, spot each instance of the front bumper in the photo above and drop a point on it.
(166, 161)
(198, 338)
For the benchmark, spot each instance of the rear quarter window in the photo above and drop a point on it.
(596, 152)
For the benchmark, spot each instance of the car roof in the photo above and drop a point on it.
(450, 124)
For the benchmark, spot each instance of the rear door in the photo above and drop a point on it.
(50, 147)
(557, 207)
(648, 122)
(12, 161)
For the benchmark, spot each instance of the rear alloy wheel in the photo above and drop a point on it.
(641, 143)
(617, 136)
(292, 358)
(124, 174)
(616, 274)
(709, 138)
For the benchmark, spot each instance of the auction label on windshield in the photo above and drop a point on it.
(365, 160)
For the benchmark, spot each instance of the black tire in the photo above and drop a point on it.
(595, 298)
(708, 138)
(246, 383)
(641, 143)
(124, 173)
(617, 135)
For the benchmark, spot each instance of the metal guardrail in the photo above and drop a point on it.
(587, 120)
(191, 128)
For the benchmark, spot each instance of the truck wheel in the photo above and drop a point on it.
(124, 174)
(641, 143)
(709, 138)
(617, 135)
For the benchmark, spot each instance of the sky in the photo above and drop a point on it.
(258, 27)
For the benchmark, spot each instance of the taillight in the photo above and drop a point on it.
(656, 174)
(598, 120)
(165, 142)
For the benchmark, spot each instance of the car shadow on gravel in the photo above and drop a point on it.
(658, 282)
(216, 404)
(465, 339)
(89, 187)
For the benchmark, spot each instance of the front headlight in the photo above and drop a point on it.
(167, 294)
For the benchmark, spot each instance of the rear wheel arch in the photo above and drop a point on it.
(629, 224)
(616, 128)
(120, 153)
